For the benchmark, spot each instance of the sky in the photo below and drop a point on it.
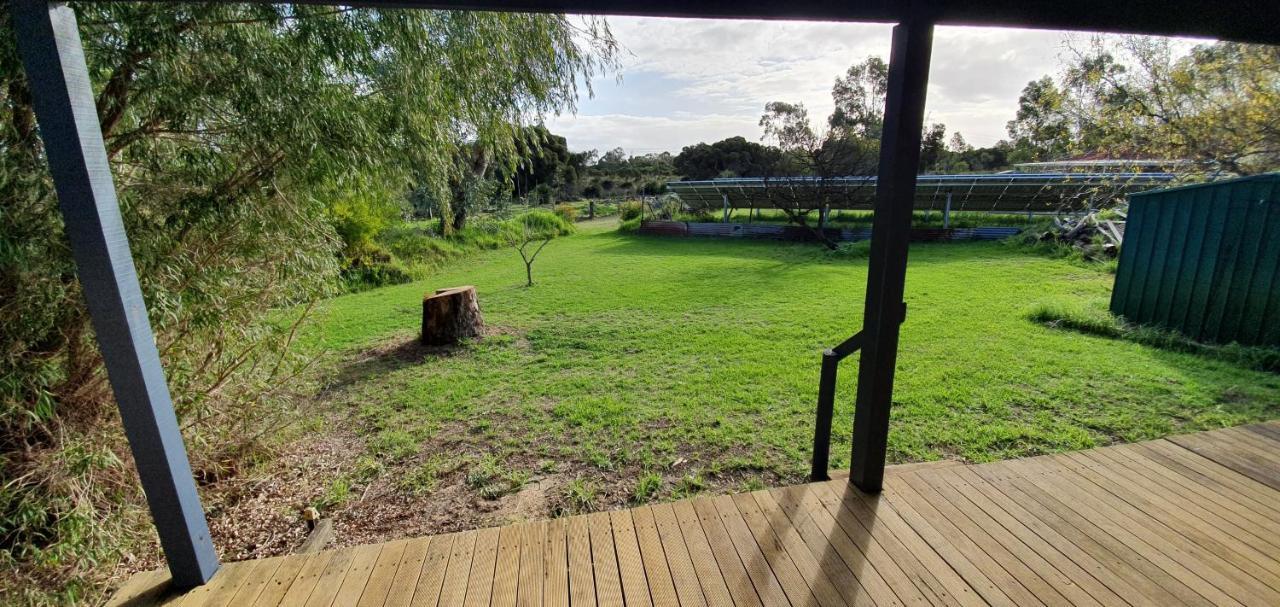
(683, 81)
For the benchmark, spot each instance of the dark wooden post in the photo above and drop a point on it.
(890, 231)
(822, 418)
(63, 98)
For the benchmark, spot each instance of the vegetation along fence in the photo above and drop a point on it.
(797, 233)
(1204, 260)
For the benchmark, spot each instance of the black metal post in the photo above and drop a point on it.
(890, 232)
(822, 423)
(64, 104)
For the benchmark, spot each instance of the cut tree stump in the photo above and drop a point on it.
(451, 315)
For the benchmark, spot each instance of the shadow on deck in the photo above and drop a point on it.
(1192, 519)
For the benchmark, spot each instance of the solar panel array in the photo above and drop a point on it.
(1000, 192)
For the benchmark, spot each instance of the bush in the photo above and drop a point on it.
(630, 226)
(653, 187)
(631, 209)
(371, 267)
(567, 212)
(542, 223)
(360, 218)
(542, 194)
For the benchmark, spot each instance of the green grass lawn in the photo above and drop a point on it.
(632, 353)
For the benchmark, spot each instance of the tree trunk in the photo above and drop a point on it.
(451, 315)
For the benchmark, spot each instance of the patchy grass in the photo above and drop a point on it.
(646, 368)
(579, 496)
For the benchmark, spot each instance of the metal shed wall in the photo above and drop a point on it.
(1204, 260)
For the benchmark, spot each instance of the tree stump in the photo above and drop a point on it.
(451, 315)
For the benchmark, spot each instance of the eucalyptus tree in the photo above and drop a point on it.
(1215, 104)
(231, 129)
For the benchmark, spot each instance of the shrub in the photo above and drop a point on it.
(631, 209)
(542, 222)
(371, 266)
(669, 205)
(653, 187)
(542, 194)
(567, 212)
(359, 218)
(630, 226)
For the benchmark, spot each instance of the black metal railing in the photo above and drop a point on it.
(826, 404)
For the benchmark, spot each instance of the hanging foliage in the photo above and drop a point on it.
(239, 135)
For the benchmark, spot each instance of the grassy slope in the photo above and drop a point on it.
(631, 352)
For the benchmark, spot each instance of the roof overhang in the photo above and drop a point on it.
(1240, 20)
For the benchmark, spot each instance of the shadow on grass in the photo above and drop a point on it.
(792, 253)
(1093, 318)
(387, 357)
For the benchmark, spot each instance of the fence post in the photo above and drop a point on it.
(49, 42)
(946, 213)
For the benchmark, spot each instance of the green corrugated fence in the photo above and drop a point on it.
(1204, 260)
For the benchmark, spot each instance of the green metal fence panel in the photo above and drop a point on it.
(1260, 313)
(1204, 260)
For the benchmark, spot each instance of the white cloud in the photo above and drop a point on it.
(691, 80)
(645, 134)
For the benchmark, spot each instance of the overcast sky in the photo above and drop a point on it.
(691, 80)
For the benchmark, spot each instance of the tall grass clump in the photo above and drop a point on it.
(1094, 318)
(860, 249)
(631, 209)
(567, 212)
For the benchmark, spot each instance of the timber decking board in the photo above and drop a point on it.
(532, 561)
(453, 590)
(506, 575)
(635, 585)
(711, 547)
(582, 587)
(604, 561)
(1209, 529)
(1192, 519)
(1238, 515)
(384, 572)
(483, 561)
(661, 584)
(810, 548)
(863, 567)
(402, 586)
(427, 591)
(684, 569)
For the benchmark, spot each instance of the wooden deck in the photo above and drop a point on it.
(1192, 519)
